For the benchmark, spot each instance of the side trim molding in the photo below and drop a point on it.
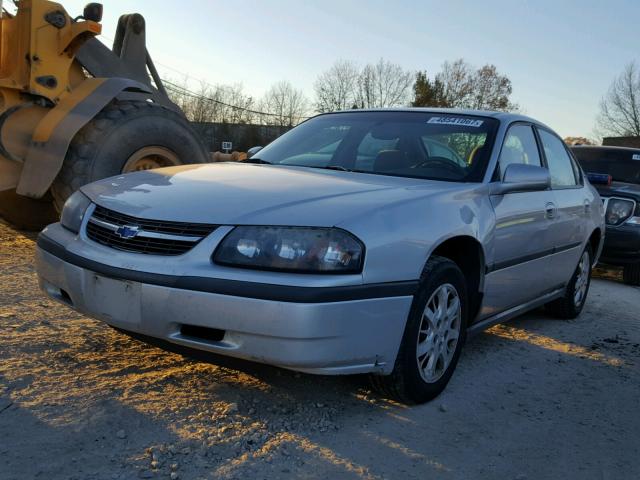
(527, 258)
(516, 311)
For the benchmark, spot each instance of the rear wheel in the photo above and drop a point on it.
(433, 336)
(126, 136)
(631, 274)
(571, 305)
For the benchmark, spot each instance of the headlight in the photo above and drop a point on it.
(292, 249)
(73, 211)
(635, 220)
(618, 211)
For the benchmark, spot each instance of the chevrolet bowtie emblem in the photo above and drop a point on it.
(127, 231)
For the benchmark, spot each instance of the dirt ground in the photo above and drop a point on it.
(535, 399)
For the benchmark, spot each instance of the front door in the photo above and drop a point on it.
(519, 256)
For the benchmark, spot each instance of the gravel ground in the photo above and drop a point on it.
(535, 399)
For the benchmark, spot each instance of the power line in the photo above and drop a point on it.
(192, 94)
(189, 93)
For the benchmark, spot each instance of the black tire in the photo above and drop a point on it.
(631, 274)
(405, 382)
(567, 307)
(103, 146)
(26, 213)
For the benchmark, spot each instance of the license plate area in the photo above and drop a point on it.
(115, 301)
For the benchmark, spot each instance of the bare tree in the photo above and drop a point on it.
(234, 105)
(213, 103)
(336, 88)
(491, 91)
(459, 85)
(620, 108)
(383, 84)
(457, 80)
(287, 105)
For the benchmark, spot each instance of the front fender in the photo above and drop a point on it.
(401, 237)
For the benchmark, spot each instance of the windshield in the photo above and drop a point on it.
(408, 144)
(623, 165)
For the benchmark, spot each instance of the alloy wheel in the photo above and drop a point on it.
(439, 333)
(582, 280)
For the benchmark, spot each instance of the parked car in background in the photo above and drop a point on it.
(621, 197)
(358, 242)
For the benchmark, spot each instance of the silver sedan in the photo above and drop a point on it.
(359, 242)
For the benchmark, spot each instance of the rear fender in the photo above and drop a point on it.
(53, 135)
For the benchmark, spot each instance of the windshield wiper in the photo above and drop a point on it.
(257, 161)
(336, 167)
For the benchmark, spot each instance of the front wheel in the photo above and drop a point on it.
(433, 336)
(571, 305)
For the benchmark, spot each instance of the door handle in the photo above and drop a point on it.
(587, 207)
(550, 210)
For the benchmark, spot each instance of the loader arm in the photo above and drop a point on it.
(55, 131)
(129, 58)
(57, 79)
(54, 72)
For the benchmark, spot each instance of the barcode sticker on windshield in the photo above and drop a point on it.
(461, 121)
(636, 156)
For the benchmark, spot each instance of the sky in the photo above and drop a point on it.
(561, 55)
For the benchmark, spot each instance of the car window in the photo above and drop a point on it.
(435, 146)
(559, 162)
(519, 147)
(317, 149)
(370, 148)
(438, 149)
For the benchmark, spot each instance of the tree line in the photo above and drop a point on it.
(348, 85)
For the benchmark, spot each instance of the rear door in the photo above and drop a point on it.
(522, 245)
(572, 207)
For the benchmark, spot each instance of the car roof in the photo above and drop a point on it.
(504, 117)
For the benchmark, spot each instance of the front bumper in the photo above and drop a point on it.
(621, 245)
(326, 330)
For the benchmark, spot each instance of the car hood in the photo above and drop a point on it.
(620, 189)
(246, 194)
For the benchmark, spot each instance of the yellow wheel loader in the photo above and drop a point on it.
(73, 111)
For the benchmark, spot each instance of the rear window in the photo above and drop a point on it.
(622, 165)
(437, 146)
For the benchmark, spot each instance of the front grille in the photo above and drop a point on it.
(140, 235)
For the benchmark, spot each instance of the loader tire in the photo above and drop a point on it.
(126, 136)
(26, 213)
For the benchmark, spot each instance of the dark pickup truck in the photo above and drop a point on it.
(621, 196)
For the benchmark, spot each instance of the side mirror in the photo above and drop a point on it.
(252, 151)
(523, 178)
